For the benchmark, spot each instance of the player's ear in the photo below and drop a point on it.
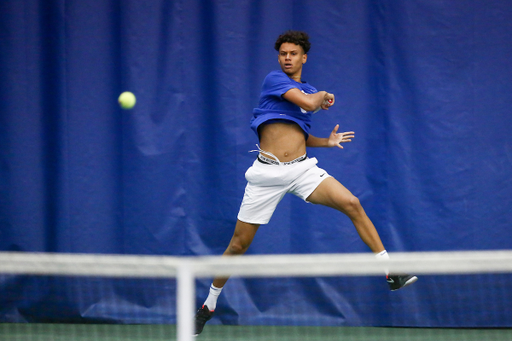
(304, 58)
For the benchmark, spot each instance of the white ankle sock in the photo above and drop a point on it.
(211, 300)
(383, 256)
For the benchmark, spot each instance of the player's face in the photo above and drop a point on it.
(291, 57)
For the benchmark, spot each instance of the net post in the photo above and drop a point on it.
(185, 301)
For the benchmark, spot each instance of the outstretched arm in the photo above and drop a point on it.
(334, 140)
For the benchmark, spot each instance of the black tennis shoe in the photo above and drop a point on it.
(396, 282)
(203, 315)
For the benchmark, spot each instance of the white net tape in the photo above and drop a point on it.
(186, 269)
(461, 262)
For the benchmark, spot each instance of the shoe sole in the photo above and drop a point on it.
(409, 282)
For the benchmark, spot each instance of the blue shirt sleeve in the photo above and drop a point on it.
(273, 106)
(277, 84)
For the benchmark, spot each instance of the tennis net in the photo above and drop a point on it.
(460, 296)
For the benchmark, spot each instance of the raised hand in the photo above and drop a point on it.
(335, 139)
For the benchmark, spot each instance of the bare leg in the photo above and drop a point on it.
(240, 242)
(333, 194)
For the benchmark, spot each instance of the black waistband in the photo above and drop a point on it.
(269, 161)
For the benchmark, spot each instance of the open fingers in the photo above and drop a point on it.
(347, 135)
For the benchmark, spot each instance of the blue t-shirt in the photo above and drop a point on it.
(273, 106)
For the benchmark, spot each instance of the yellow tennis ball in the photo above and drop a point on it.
(127, 100)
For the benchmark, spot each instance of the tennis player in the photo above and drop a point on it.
(282, 122)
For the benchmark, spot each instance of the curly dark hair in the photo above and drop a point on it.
(295, 37)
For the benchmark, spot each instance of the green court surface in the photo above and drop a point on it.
(109, 332)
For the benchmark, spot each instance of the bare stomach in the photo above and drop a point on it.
(285, 140)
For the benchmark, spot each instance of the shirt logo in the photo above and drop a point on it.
(302, 110)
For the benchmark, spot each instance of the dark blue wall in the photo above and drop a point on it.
(426, 86)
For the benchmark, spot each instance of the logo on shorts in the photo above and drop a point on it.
(322, 175)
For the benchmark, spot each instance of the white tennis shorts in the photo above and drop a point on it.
(267, 184)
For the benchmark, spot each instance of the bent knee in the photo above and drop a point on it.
(352, 206)
(236, 247)
(354, 202)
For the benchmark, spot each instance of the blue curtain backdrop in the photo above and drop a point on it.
(425, 84)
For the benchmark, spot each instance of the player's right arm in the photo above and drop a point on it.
(309, 102)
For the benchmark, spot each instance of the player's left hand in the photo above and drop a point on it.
(335, 139)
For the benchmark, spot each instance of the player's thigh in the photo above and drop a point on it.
(244, 233)
(333, 194)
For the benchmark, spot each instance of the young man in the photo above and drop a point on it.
(282, 122)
